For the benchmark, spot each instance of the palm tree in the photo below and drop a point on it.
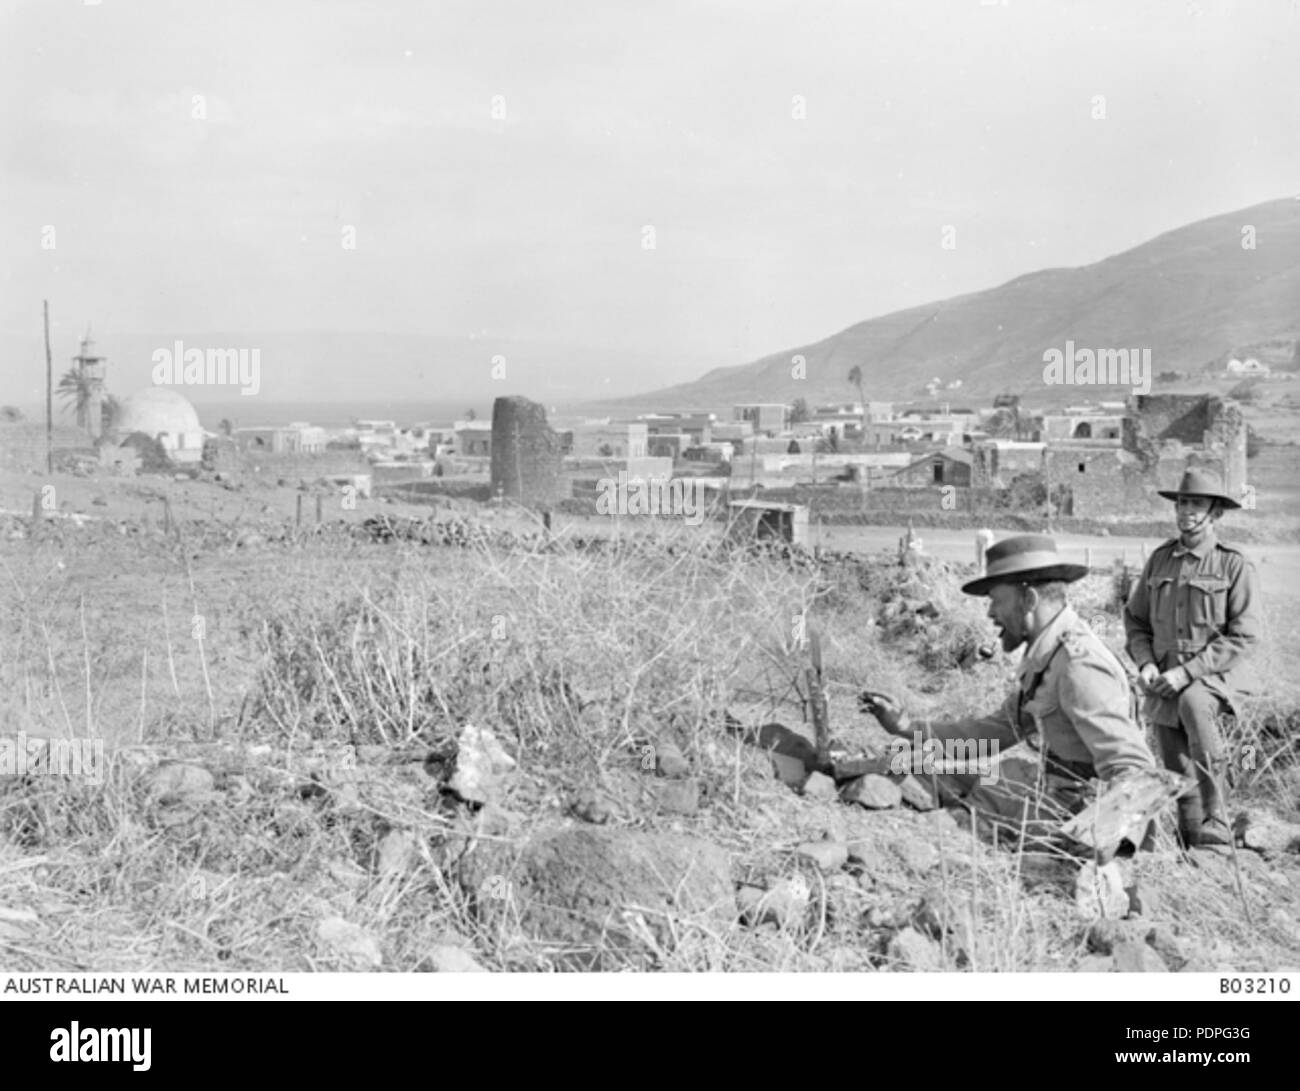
(855, 377)
(78, 390)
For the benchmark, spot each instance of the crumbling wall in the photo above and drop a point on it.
(1166, 434)
(526, 453)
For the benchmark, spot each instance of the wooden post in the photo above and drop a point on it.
(319, 506)
(1087, 557)
(1142, 554)
(49, 396)
(817, 705)
(297, 515)
(167, 517)
(38, 512)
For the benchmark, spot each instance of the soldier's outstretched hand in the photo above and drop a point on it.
(887, 710)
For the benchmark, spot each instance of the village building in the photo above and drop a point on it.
(768, 418)
(607, 439)
(998, 462)
(948, 467)
(160, 413)
(473, 438)
(1163, 435)
(297, 438)
(944, 431)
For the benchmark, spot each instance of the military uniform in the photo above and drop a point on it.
(1074, 706)
(1196, 609)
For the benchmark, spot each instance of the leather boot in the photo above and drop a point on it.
(1190, 819)
(1214, 819)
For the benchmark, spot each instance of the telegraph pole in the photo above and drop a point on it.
(49, 396)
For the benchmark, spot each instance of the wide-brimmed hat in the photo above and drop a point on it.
(1201, 482)
(1023, 558)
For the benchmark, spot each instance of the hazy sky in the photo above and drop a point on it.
(770, 229)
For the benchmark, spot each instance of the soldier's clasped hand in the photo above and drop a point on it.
(1171, 683)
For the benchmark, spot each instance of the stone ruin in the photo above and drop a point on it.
(1163, 436)
(526, 454)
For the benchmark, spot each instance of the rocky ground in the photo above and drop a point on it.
(464, 748)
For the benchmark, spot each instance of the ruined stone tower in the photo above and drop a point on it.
(525, 453)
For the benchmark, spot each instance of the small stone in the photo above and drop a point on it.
(1143, 901)
(1099, 891)
(916, 794)
(860, 853)
(919, 856)
(678, 796)
(1095, 964)
(913, 951)
(1135, 956)
(784, 904)
(1104, 935)
(669, 760)
(819, 786)
(445, 959)
(1264, 833)
(827, 855)
(589, 806)
(481, 765)
(872, 791)
(851, 768)
(1280, 919)
(175, 780)
(350, 942)
(790, 771)
(396, 852)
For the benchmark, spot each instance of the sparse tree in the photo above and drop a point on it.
(855, 377)
(799, 411)
(10, 414)
(471, 414)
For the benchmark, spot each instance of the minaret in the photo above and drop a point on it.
(92, 369)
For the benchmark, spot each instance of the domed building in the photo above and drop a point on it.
(163, 415)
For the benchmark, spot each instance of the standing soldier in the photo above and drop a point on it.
(1191, 623)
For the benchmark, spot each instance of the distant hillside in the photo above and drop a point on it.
(318, 366)
(1191, 296)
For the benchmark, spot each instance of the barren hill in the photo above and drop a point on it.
(1190, 295)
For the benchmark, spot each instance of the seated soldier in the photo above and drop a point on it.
(1191, 623)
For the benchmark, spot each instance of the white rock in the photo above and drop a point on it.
(1099, 891)
(453, 960)
(481, 765)
(350, 942)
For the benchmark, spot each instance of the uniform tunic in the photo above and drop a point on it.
(1072, 701)
(1198, 609)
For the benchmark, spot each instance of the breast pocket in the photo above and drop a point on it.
(1207, 602)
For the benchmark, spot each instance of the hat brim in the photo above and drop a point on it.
(1173, 494)
(1066, 573)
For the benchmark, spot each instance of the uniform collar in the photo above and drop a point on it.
(1046, 642)
(1207, 544)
